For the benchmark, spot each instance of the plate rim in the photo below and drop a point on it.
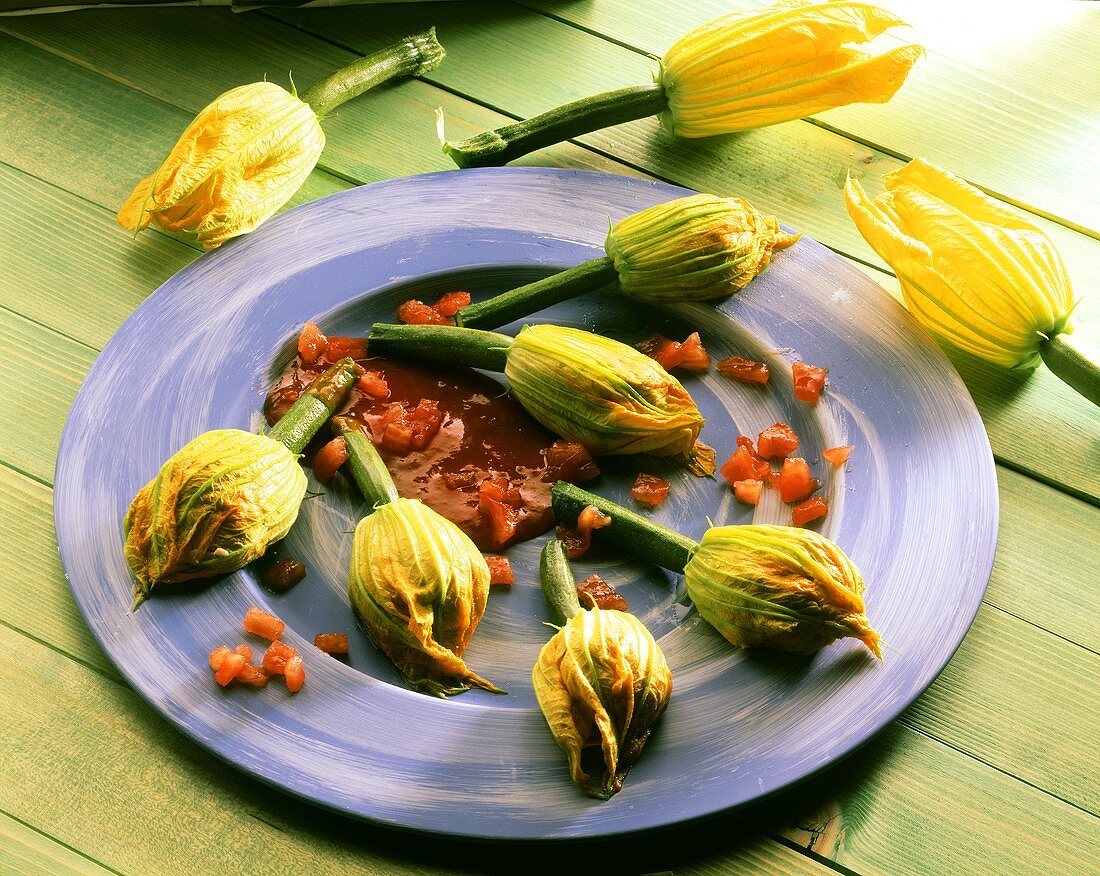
(988, 485)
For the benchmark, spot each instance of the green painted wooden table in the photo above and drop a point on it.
(994, 769)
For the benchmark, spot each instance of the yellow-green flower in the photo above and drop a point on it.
(252, 147)
(780, 587)
(743, 70)
(601, 683)
(237, 163)
(418, 584)
(972, 270)
(603, 394)
(694, 248)
(783, 62)
(214, 507)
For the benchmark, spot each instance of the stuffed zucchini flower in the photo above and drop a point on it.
(252, 147)
(781, 587)
(417, 583)
(224, 497)
(601, 682)
(743, 70)
(974, 271)
(689, 249)
(590, 389)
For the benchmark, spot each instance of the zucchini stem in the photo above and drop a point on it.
(499, 146)
(558, 585)
(413, 56)
(628, 530)
(441, 343)
(1070, 364)
(313, 408)
(525, 300)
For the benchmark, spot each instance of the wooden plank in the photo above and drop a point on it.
(86, 761)
(906, 805)
(35, 408)
(36, 596)
(1012, 404)
(27, 852)
(1018, 122)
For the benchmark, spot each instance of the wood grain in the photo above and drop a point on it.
(27, 852)
(1011, 403)
(1018, 122)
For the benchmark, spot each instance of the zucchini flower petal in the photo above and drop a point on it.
(603, 394)
(694, 248)
(972, 270)
(784, 62)
(214, 507)
(238, 162)
(780, 587)
(419, 586)
(601, 682)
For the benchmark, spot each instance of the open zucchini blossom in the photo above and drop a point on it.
(601, 683)
(589, 389)
(974, 271)
(743, 70)
(688, 249)
(251, 149)
(781, 587)
(417, 583)
(225, 496)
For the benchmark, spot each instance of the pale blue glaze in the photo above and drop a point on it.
(916, 509)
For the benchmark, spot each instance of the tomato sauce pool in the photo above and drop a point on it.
(489, 467)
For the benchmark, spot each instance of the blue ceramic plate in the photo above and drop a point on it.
(916, 509)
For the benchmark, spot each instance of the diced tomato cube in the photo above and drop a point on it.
(295, 674)
(311, 343)
(373, 384)
(331, 643)
(338, 347)
(579, 538)
(499, 507)
(569, 461)
(415, 312)
(795, 483)
(500, 571)
(665, 350)
(838, 455)
(263, 624)
(426, 420)
(244, 651)
(778, 441)
(748, 491)
(809, 510)
(397, 431)
(276, 656)
(650, 490)
(694, 356)
(451, 303)
(252, 675)
(217, 656)
(744, 370)
(329, 459)
(594, 591)
(230, 668)
(456, 480)
(745, 464)
(808, 381)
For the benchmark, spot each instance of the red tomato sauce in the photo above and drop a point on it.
(483, 435)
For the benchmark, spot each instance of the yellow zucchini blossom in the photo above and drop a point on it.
(787, 61)
(972, 270)
(238, 162)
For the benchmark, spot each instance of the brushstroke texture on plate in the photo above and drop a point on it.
(915, 508)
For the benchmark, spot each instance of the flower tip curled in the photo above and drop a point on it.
(972, 270)
(788, 61)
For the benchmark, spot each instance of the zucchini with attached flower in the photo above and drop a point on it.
(227, 495)
(781, 587)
